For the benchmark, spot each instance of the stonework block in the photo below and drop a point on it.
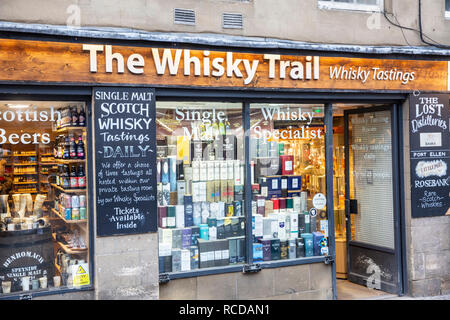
(320, 276)
(257, 285)
(288, 280)
(217, 287)
(426, 287)
(179, 289)
(418, 266)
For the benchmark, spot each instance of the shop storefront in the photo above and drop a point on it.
(149, 172)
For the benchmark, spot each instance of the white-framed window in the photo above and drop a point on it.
(447, 9)
(358, 5)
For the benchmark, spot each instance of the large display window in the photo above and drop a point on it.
(44, 237)
(287, 159)
(200, 181)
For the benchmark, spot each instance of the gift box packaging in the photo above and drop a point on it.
(179, 216)
(185, 260)
(171, 217)
(317, 236)
(287, 164)
(181, 188)
(194, 257)
(284, 249)
(229, 147)
(257, 225)
(275, 249)
(232, 244)
(162, 217)
(292, 249)
(165, 170)
(266, 248)
(176, 238)
(195, 234)
(300, 247)
(241, 250)
(284, 186)
(176, 260)
(197, 149)
(173, 173)
(188, 211)
(183, 149)
(186, 238)
(309, 244)
(257, 252)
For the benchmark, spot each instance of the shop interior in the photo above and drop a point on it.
(43, 211)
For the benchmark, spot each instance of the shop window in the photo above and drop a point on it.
(447, 9)
(359, 5)
(287, 153)
(200, 165)
(43, 203)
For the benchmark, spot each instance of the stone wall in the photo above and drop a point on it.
(302, 282)
(427, 239)
(288, 19)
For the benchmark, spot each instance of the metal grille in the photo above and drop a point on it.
(232, 21)
(184, 16)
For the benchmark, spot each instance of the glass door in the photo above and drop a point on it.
(370, 199)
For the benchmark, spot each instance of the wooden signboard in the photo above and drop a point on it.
(26, 61)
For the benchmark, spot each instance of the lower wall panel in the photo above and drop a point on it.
(304, 282)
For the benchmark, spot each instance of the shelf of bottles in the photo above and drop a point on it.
(24, 166)
(69, 159)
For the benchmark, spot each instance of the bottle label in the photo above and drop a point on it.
(81, 182)
(74, 182)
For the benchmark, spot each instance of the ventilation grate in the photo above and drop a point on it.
(184, 16)
(232, 21)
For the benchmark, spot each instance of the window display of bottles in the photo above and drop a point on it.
(68, 147)
(200, 184)
(71, 116)
(287, 171)
(44, 204)
(71, 176)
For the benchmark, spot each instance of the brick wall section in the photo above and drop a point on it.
(303, 282)
(427, 240)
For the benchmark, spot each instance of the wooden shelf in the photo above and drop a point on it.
(22, 182)
(65, 129)
(70, 160)
(20, 192)
(68, 190)
(66, 249)
(22, 174)
(24, 155)
(48, 163)
(25, 164)
(68, 221)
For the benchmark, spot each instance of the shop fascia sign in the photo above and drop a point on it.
(171, 61)
(217, 67)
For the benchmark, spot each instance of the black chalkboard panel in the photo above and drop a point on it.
(125, 160)
(429, 154)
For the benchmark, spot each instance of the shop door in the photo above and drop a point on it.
(370, 195)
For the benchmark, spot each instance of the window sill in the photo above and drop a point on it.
(239, 267)
(32, 294)
(325, 5)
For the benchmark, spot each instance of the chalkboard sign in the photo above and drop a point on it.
(125, 160)
(430, 154)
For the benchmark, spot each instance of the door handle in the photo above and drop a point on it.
(351, 207)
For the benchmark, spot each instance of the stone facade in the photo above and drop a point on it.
(291, 19)
(302, 282)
